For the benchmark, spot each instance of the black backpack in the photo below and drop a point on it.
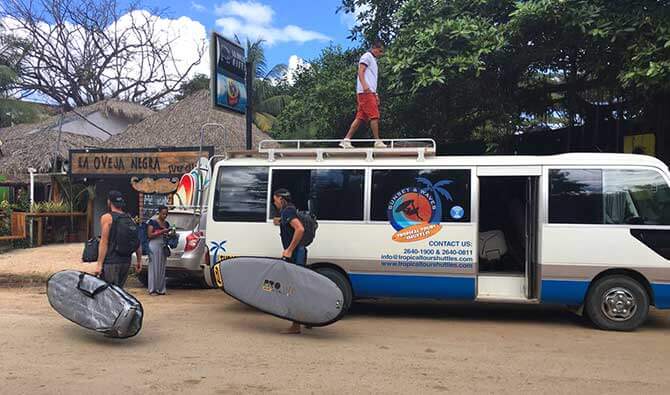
(310, 224)
(124, 237)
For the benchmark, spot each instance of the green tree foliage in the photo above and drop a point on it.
(197, 83)
(323, 99)
(13, 111)
(375, 19)
(12, 50)
(458, 68)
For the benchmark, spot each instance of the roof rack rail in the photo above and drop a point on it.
(320, 149)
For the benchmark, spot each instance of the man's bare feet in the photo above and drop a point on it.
(293, 330)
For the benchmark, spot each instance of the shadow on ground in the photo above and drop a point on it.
(485, 312)
(466, 311)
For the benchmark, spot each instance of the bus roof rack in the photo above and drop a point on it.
(321, 149)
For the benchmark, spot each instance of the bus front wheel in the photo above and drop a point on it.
(617, 303)
(342, 283)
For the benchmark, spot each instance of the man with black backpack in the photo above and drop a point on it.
(296, 231)
(118, 240)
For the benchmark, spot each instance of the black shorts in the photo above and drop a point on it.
(115, 273)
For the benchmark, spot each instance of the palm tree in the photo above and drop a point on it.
(215, 249)
(437, 190)
(268, 98)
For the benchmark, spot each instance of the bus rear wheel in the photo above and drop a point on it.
(342, 283)
(617, 303)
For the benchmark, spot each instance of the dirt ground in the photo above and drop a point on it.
(201, 341)
(39, 263)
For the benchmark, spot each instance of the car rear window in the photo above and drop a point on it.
(183, 221)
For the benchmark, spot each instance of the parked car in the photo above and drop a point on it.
(185, 261)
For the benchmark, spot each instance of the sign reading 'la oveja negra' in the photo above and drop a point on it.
(154, 162)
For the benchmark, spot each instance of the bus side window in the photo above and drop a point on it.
(609, 196)
(638, 197)
(296, 181)
(241, 194)
(330, 194)
(575, 196)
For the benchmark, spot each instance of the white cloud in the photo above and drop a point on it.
(272, 35)
(198, 7)
(251, 11)
(253, 20)
(230, 26)
(186, 36)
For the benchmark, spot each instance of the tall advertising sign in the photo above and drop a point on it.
(228, 68)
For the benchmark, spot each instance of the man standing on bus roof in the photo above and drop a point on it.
(291, 231)
(366, 95)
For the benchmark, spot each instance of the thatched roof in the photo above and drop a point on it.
(23, 152)
(179, 125)
(34, 145)
(123, 109)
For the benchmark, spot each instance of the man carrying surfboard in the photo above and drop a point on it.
(291, 231)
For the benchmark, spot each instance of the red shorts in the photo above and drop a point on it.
(367, 106)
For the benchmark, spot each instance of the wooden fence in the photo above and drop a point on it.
(18, 227)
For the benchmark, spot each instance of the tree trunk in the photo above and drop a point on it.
(90, 207)
(662, 127)
(619, 117)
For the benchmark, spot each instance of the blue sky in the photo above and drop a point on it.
(291, 27)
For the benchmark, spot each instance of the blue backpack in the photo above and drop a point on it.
(144, 238)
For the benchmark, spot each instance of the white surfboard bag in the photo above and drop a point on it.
(95, 304)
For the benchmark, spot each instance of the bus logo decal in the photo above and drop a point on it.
(415, 212)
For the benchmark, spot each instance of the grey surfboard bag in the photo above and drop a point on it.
(95, 304)
(283, 289)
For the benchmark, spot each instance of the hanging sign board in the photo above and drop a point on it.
(164, 162)
(228, 71)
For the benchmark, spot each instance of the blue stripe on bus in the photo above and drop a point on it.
(564, 292)
(409, 286)
(661, 295)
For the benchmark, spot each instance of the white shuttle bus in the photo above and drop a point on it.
(590, 231)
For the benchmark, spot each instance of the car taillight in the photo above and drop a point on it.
(192, 241)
